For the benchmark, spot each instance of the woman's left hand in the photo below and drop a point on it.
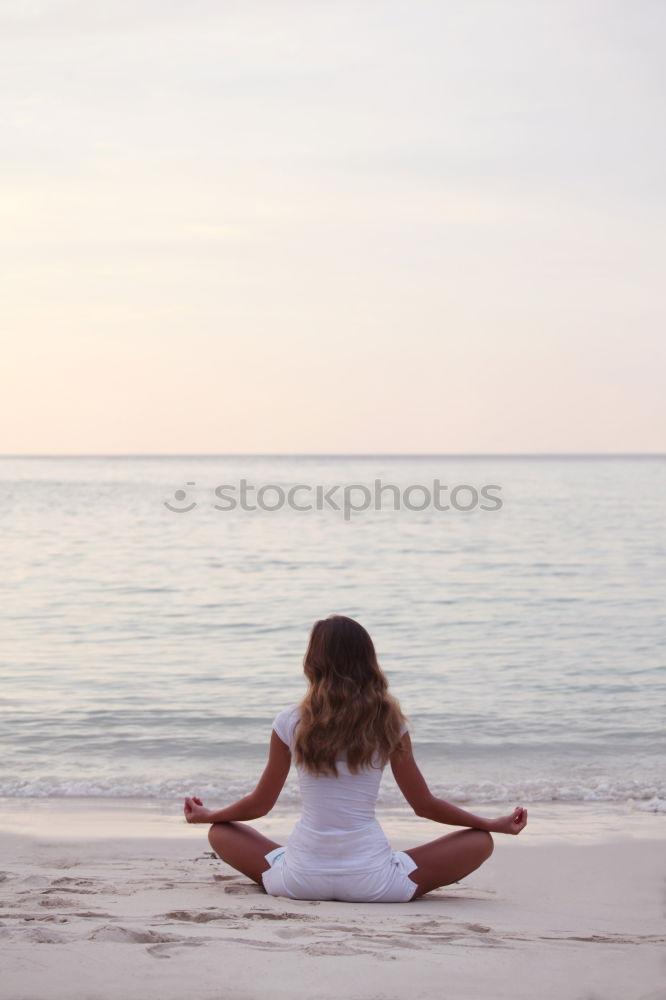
(195, 812)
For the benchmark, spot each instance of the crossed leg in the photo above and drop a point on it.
(440, 862)
(242, 847)
(449, 858)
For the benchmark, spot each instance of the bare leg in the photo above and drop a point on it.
(449, 858)
(242, 847)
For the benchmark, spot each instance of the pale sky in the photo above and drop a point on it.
(327, 226)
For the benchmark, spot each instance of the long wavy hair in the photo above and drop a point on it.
(347, 710)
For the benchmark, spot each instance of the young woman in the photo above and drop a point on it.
(341, 736)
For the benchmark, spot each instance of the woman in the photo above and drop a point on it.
(341, 736)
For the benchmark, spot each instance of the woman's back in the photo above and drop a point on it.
(338, 830)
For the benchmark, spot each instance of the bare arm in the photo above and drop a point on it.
(258, 802)
(413, 786)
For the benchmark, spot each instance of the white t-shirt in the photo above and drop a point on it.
(338, 830)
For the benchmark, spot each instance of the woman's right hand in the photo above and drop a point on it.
(513, 823)
(195, 811)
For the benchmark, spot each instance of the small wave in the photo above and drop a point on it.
(653, 805)
(646, 796)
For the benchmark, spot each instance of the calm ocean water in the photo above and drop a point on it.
(145, 652)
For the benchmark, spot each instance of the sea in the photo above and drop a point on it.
(157, 610)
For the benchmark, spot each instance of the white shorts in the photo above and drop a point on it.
(387, 885)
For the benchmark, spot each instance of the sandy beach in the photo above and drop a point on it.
(96, 905)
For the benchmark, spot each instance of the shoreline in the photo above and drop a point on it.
(123, 818)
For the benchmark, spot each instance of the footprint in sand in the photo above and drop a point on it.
(68, 880)
(57, 901)
(128, 935)
(199, 916)
(168, 950)
(66, 888)
(244, 889)
(44, 935)
(294, 932)
(34, 880)
(339, 948)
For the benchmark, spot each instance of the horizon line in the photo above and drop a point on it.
(378, 454)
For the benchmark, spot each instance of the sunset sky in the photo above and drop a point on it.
(332, 226)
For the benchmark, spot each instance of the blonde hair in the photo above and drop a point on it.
(347, 710)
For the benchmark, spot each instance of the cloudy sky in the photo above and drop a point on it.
(328, 226)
